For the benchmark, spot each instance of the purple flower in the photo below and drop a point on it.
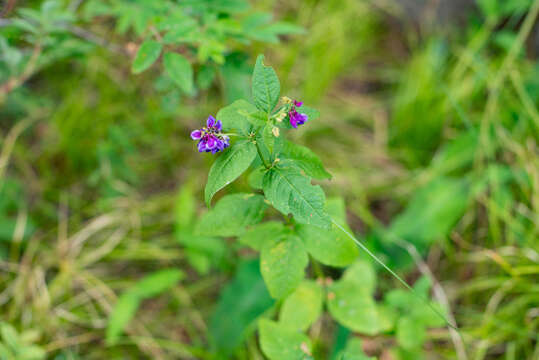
(295, 117)
(210, 138)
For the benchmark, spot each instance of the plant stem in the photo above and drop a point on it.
(266, 165)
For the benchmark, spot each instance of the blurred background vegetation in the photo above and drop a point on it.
(429, 125)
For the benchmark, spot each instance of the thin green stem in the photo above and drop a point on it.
(404, 283)
(266, 165)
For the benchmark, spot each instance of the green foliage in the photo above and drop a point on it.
(241, 302)
(266, 86)
(34, 39)
(147, 54)
(305, 159)
(235, 117)
(180, 71)
(204, 32)
(15, 346)
(351, 302)
(232, 215)
(128, 303)
(280, 343)
(353, 351)
(291, 192)
(228, 167)
(263, 234)
(415, 316)
(282, 265)
(201, 251)
(430, 140)
(302, 307)
(330, 247)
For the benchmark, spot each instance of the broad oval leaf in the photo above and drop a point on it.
(279, 343)
(180, 71)
(410, 333)
(361, 273)
(147, 54)
(266, 87)
(262, 234)
(234, 117)
(301, 308)
(255, 177)
(283, 266)
(353, 306)
(307, 160)
(331, 247)
(232, 215)
(228, 167)
(291, 192)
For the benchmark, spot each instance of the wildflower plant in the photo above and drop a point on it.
(251, 137)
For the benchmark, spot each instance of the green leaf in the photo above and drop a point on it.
(147, 54)
(229, 6)
(232, 215)
(311, 113)
(432, 212)
(353, 351)
(122, 313)
(262, 234)
(127, 304)
(257, 118)
(181, 72)
(361, 273)
(228, 167)
(305, 159)
(331, 247)
(201, 251)
(266, 87)
(31, 352)
(240, 303)
(205, 76)
(301, 308)
(9, 335)
(255, 177)
(410, 333)
(291, 192)
(279, 343)
(271, 32)
(156, 283)
(407, 303)
(353, 306)
(234, 117)
(283, 266)
(387, 317)
(236, 74)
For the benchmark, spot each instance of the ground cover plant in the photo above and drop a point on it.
(165, 193)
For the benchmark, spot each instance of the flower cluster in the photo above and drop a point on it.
(210, 137)
(295, 117)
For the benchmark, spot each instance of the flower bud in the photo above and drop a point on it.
(275, 131)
